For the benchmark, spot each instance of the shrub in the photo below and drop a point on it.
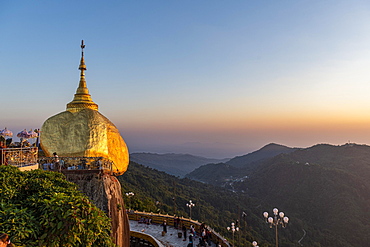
(40, 208)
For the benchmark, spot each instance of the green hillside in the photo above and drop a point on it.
(215, 206)
(220, 174)
(216, 174)
(326, 187)
(268, 151)
(174, 164)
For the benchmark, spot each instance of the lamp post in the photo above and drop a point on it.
(255, 244)
(190, 205)
(174, 205)
(278, 219)
(129, 195)
(233, 228)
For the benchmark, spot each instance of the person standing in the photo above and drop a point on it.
(164, 225)
(192, 230)
(177, 222)
(184, 231)
(174, 223)
(190, 244)
(99, 164)
(56, 161)
(61, 165)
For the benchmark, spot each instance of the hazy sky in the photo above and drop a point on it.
(212, 78)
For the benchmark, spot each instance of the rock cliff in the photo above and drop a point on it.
(105, 191)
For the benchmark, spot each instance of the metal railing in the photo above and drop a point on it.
(76, 163)
(139, 239)
(158, 219)
(19, 157)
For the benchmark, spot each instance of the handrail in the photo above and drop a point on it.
(158, 219)
(19, 157)
(76, 163)
(146, 237)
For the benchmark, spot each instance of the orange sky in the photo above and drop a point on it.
(213, 78)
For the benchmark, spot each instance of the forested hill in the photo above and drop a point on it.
(268, 151)
(324, 186)
(174, 164)
(240, 166)
(157, 191)
(310, 195)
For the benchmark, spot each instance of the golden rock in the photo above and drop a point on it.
(81, 131)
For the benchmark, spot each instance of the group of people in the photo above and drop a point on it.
(204, 236)
(8, 143)
(147, 221)
(58, 164)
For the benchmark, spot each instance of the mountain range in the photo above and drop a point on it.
(221, 172)
(324, 188)
(174, 164)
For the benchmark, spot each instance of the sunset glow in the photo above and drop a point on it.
(209, 78)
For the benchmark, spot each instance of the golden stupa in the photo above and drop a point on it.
(81, 131)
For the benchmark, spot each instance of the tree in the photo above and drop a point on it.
(41, 208)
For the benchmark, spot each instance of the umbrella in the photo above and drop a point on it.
(32, 134)
(6, 132)
(23, 134)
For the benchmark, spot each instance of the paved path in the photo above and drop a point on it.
(304, 234)
(170, 239)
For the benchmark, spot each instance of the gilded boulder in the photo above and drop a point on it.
(84, 133)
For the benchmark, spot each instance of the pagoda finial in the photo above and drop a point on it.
(82, 97)
(82, 63)
(82, 48)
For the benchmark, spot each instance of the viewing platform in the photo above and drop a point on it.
(25, 158)
(139, 224)
(78, 164)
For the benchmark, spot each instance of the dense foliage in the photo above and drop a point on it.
(162, 193)
(39, 208)
(238, 166)
(325, 187)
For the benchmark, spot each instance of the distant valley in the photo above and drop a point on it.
(174, 164)
(324, 188)
(224, 171)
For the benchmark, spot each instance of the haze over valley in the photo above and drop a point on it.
(320, 187)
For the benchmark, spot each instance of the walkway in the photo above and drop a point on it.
(170, 239)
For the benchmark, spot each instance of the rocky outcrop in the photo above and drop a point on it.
(105, 191)
(86, 133)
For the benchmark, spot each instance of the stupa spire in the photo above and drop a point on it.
(82, 98)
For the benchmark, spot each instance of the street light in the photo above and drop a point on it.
(233, 228)
(174, 206)
(255, 244)
(129, 195)
(190, 205)
(278, 219)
